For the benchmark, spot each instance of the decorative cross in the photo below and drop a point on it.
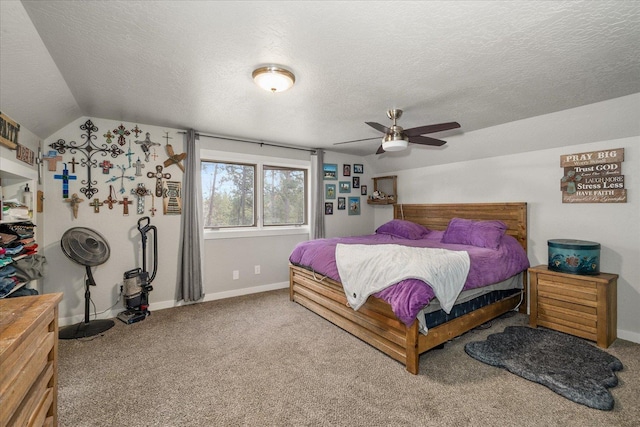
(96, 205)
(154, 155)
(158, 175)
(121, 178)
(121, 132)
(65, 177)
(153, 206)
(88, 149)
(146, 144)
(108, 137)
(73, 164)
(138, 165)
(174, 159)
(111, 200)
(129, 153)
(136, 130)
(126, 202)
(172, 202)
(74, 201)
(39, 161)
(52, 159)
(106, 165)
(140, 191)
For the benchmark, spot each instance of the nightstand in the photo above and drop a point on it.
(584, 306)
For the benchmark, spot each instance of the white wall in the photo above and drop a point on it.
(534, 178)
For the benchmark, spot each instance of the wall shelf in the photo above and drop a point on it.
(389, 186)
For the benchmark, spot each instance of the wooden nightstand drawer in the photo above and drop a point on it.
(584, 306)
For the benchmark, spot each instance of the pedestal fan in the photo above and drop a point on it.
(88, 248)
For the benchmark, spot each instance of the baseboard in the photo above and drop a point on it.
(629, 336)
(155, 306)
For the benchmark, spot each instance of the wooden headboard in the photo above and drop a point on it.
(437, 216)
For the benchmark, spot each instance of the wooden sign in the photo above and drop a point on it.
(25, 154)
(9, 131)
(593, 177)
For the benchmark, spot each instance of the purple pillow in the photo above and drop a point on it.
(483, 234)
(403, 229)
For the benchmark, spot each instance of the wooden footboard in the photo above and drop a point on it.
(375, 322)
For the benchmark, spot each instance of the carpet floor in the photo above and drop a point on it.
(263, 360)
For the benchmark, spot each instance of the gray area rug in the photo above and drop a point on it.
(568, 365)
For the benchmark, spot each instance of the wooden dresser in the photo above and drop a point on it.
(584, 306)
(29, 360)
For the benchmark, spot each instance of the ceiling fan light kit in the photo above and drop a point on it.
(394, 143)
(273, 79)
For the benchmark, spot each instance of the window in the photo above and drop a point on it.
(228, 194)
(284, 195)
(244, 192)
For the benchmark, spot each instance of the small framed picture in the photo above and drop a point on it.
(346, 170)
(354, 205)
(330, 171)
(363, 190)
(356, 182)
(329, 191)
(345, 186)
(357, 168)
(328, 208)
(342, 203)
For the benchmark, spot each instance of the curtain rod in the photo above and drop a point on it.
(261, 143)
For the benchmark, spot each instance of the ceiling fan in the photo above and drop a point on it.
(396, 138)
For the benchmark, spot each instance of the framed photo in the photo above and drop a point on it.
(354, 205)
(328, 208)
(346, 170)
(363, 190)
(356, 182)
(342, 203)
(357, 168)
(330, 171)
(329, 191)
(345, 186)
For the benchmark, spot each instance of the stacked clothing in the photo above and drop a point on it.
(19, 261)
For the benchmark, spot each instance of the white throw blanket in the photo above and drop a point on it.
(367, 269)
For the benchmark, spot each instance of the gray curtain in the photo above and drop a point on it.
(318, 197)
(191, 244)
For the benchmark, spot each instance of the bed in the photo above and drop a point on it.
(375, 321)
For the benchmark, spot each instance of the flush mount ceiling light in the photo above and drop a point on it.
(273, 79)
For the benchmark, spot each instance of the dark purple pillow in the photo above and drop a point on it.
(483, 234)
(403, 229)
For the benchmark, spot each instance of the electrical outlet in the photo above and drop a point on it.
(256, 269)
(236, 274)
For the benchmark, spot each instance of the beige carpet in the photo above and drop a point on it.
(261, 360)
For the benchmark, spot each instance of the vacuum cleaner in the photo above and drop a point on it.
(137, 283)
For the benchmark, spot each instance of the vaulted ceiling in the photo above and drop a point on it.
(188, 64)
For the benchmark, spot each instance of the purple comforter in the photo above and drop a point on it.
(409, 296)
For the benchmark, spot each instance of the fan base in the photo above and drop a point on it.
(84, 330)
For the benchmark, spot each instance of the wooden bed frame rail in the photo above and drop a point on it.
(375, 322)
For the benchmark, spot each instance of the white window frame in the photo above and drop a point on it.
(259, 230)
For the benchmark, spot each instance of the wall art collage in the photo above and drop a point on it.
(99, 162)
(342, 193)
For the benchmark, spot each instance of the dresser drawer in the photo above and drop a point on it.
(34, 408)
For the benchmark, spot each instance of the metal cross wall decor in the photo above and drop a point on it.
(88, 149)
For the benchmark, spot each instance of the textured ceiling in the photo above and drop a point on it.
(188, 64)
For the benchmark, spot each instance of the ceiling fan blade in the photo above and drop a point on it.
(355, 140)
(431, 128)
(378, 126)
(425, 140)
(380, 150)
